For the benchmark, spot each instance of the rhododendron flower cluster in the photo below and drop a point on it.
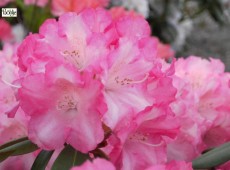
(203, 94)
(98, 82)
(77, 77)
(11, 127)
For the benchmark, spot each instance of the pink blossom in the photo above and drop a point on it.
(164, 51)
(69, 70)
(85, 70)
(74, 43)
(127, 69)
(201, 103)
(122, 79)
(8, 79)
(5, 30)
(96, 164)
(64, 107)
(60, 7)
(8, 63)
(225, 166)
(138, 27)
(140, 141)
(172, 166)
(11, 126)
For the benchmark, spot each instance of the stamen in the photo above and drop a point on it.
(143, 138)
(127, 81)
(150, 144)
(66, 103)
(10, 84)
(72, 57)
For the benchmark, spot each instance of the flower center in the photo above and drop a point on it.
(127, 81)
(138, 137)
(67, 102)
(143, 138)
(72, 57)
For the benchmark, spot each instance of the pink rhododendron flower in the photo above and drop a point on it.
(201, 103)
(172, 166)
(77, 51)
(13, 127)
(225, 166)
(164, 51)
(5, 31)
(60, 7)
(8, 79)
(96, 164)
(140, 141)
(8, 63)
(71, 115)
(97, 72)
(74, 112)
(80, 48)
(40, 3)
(85, 70)
(128, 69)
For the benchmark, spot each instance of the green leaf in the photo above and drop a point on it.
(42, 160)
(68, 158)
(16, 147)
(5, 156)
(34, 16)
(13, 142)
(213, 158)
(20, 4)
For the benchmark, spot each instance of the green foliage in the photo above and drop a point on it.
(213, 158)
(68, 158)
(42, 160)
(17, 147)
(32, 16)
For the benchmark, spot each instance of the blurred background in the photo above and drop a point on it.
(190, 27)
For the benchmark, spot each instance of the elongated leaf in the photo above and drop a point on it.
(213, 158)
(20, 148)
(5, 155)
(13, 142)
(16, 147)
(68, 158)
(42, 160)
